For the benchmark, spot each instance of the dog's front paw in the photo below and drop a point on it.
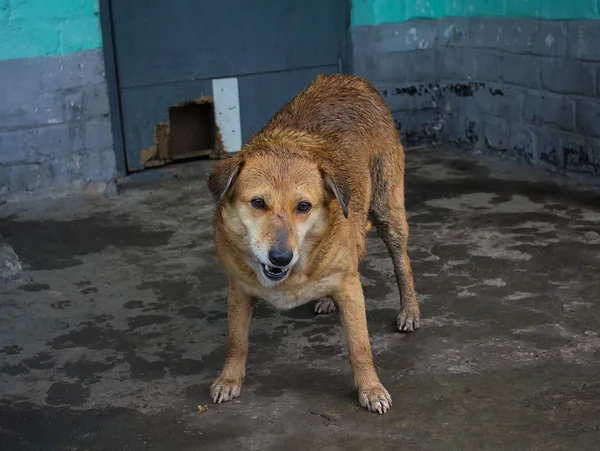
(376, 399)
(408, 321)
(325, 306)
(223, 390)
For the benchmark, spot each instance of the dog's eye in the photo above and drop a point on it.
(304, 207)
(258, 203)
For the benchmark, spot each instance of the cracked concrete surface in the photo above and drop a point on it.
(114, 333)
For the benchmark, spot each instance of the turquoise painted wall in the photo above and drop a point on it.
(375, 12)
(30, 28)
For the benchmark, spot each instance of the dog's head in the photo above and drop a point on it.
(278, 207)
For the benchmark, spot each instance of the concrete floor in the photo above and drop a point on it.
(112, 337)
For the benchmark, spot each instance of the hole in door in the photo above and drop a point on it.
(193, 130)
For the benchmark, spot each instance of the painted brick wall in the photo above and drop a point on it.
(30, 28)
(55, 129)
(523, 87)
(377, 12)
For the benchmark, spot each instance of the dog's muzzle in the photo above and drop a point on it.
(274, 273)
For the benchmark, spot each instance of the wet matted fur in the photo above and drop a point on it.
(293, 209)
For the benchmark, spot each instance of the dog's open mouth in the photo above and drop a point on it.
(273, 273)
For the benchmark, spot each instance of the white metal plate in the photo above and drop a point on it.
(227, 112)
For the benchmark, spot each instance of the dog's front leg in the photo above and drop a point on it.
(351, 304)
(229, 383)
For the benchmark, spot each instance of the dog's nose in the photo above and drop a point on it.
(280, 257)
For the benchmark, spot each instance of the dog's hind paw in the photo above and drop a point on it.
(408, 322)
(325, 306)
(224, 390)
(376, 400)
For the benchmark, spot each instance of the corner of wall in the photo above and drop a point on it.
(55, 129)
(523, 88)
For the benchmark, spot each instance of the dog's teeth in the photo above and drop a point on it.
(267, 267)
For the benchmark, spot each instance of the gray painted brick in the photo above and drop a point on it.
(451, 62)
(28, 177)
(52, 141)
(53, 172)
(584, 40)
(54, 122)
(568, 77)
(61, 171)
(65, 170)
(480, 64)
(22, 111)
(542, 108)
(72, 71)
(98, 134)
(523, 142)
(542, 68)
(551, 39)
(50, 74)
(392, 67)
(485, 33)
(424, 66)
(95, 99)
(98, 166)
(410, 97)
(549, 147)
(465, 130)
(500, 100)
(33, 145)
(522, 70)
(363, 55)
(468, 117)
(464, 105)
(416, 127)
(588, 117)
(11, 148)
(87, 102)
(405, 36)
(363, 38)
(452, 31)
(365, 66)
(520, 35)
(505, 35)
(16, 84)
(418, 66)
(4, 179)
(595, 153)
(451, 129)
(77, 136)
(578, 154)
(497, 133)
(74, 109)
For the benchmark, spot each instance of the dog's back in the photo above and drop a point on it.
(334, 107)
(345, 110)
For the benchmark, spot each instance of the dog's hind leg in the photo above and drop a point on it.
(389, 215)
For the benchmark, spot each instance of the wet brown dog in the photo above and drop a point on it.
(294, 207)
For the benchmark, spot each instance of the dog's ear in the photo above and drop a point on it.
(223, 176)
(335, 188)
